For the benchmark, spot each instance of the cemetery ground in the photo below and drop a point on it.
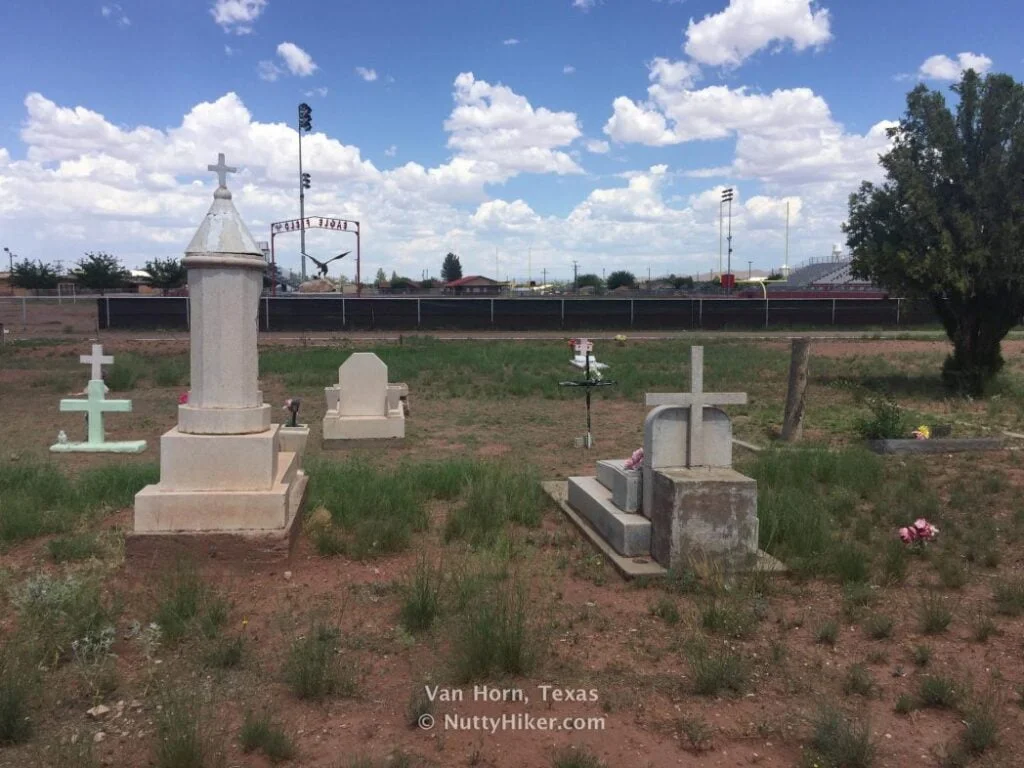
(437, 561)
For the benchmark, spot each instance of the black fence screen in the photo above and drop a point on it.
(337, 313)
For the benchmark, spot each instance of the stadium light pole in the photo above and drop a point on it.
(10, 258)
(305, 124)
(727, 195)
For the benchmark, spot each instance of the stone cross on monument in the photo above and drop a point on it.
(97, 359)
(695, 400)
(222, 170)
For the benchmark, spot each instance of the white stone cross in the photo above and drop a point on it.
(97, 359)
(582, 346)
(221, 170)
(696, 399)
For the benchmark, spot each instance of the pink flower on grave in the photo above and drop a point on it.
(636, 460)
(920, 532)
(183, 398)
(287, 405)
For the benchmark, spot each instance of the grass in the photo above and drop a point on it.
(728, 618)
(981, 727)
(418, 706)
(697, 732)
(183, 738)
(17, 689)
(37, 498)
(576, 757)
(827, 633)
(922, 654)
(1009, 597)
(983, 627)
(938, 692)
(713, 672)
(839, 742)
(421, 603)
(666, 609)
(496, 496)
(496, 636)
(878, 626)
(74, 547)
(186, 606)
(858, 681)
(56, 612)
(260, 732)
(934, 615)
(312, 668)
(226, 653)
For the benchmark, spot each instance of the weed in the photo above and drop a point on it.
(57, 612)
(1009, 597)
(952, 573)
(934, 615)
(183, 739)
(858, 681)
(827, 633)
(312, 667)
(125, 373)
(878, 626)
(857, 596)
(894, 563)
(418, 706)
(887, 420)
(422, 601)
(714, 672)
(179, 601)
(666, 610)
(981, 729)
(171, 372)
(81, 546)
(496, 636)
(937, 692)
(75, 753)
(260, 732)
(494, 498)
(851, 565)
(840, 742)
(226, 653)
(904, 704)
(982, 628)
(728, 617)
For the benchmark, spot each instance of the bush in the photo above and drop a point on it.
(938, 692)
(1009, 597)
(878, 626)
(935, 616)
(81, 546)
(728, 618)
(422, 600)
(183, 739)
(840, 742)
(312, 668)
(887, 420)
(17, 687)
(260, 732)
(185, 605)
(827, 633)
(55, 613)
(715, 672)
(124, 373)
(858, 681)
(666, 610)
(576, 757)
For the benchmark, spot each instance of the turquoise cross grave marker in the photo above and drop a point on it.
(94, 406)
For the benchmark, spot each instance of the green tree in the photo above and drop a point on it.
(619, 278)
(590, 280)
(34, 276)
(451, 269)
(948, 222)
(381, 278)
(100, 271)
(428, 284)
(167, 274)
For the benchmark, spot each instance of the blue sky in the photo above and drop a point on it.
(569, 129)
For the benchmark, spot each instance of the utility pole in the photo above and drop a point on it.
(727, 195)
(529, 267)
(305, 124)
(10, 257)
(749, 268)
(545, 279)
(497, 277)
(720, 237)
(785, 264)
(576, 277)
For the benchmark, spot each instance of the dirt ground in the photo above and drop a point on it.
(601, 631)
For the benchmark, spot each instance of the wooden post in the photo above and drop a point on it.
(793, 421)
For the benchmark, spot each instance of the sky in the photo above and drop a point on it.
(526, 134)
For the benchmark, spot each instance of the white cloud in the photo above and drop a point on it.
(229, 50)
(510, 41)
(321, 92)
(369, 75)
(391, 151)
(568, 69)
(268, 70)
(584, 5)
(747, 26)
(115, 13)
(297, 60)
(597, 147)
(237, 16)
(502, 133)
(942, 67)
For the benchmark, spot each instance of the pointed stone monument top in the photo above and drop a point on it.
(223, 233)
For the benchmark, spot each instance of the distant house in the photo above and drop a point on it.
(474, 285)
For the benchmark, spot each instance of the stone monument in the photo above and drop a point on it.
(685, 504)
(362, 405)
(95, 406)
(223, 469)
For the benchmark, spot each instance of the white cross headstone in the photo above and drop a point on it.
(695, 400)
(97, 359)
(582, 346)
(222, 170)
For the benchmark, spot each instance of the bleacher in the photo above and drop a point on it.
(823, 275)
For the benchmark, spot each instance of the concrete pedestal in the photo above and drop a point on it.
(628, 534)
(703, 514)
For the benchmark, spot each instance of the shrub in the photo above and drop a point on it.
(938, 692)
(904, 704)
(934, 615)
(226, 653)
(878, 626)
(495, 498)
(728, 617)
(260, 732)
(124, 373)
(922, 655)
(81, 546)
(858, 681)
(57, 612)
(714, 672)
(666, 610)
(1009, 597)
(886, 422)
(576, 757)
(183, 739)
(827, 633)
(981, 730)
(312, 670)
(418, 706)
(840, 742)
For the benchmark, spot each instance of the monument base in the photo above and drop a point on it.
(126, 446)
(627, 533)
(703, 515)
(362, 427)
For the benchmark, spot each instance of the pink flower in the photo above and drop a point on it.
(183, 398)
(921, 531)
(287, 405)
(908, 535)
(636, 460)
